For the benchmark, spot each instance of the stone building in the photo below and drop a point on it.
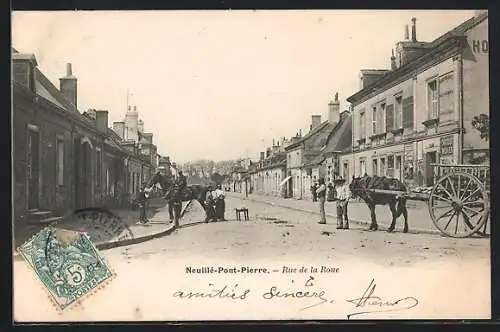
(304, 155)
(267, 174)
(420, 112)
(57, 151)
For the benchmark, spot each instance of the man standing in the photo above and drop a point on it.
(343, 195)
(175, 203)
(209, 203)
(220, 204)
(143, 197)
(321, 194)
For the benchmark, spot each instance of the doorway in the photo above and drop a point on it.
(430, 158)
(33, 169)
(86, 175)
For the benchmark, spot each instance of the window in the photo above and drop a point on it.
(382, 166)
(98, 167)
(362, 121)
(60, 162)
(398, 112)
(446, 97)
(390, 161)
(432, 99)
(375, 167)
(374, 121)
(380, 119)
(108, 187)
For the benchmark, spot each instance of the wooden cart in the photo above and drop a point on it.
(459, 203)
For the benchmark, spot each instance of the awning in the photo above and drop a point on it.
(285, 180)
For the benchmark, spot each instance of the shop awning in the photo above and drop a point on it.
(285, 180)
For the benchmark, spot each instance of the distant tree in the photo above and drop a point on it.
(481, 123)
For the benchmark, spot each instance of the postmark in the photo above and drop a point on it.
(67, 263)
(101, 225)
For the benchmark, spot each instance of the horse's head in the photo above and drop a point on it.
(356, 186)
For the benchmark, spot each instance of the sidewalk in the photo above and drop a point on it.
(158, 226)
(419, 220)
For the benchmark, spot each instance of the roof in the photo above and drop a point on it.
(340, 139)
(314, 138)
(430, 47)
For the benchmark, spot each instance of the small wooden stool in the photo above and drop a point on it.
(239, 211)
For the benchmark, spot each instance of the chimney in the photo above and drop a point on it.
(68, 86)
(262, 155)
(413, 29)
(393, 61)
(119, 128)
(24, 70)
(315, 121)
(334, 110)
(101, 120)
(407, 32)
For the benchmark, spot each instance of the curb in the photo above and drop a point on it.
(359, 222)
(141, 239)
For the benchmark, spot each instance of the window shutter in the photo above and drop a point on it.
(408, 112)
(389, 117)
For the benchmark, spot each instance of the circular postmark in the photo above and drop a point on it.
(100, 224)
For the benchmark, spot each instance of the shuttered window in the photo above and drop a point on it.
(389, 117)
(433, 99)
(374, 120)
(446, 98)
(408, 112)
(380, 119)
(60, 162)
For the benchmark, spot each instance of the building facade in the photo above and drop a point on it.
(420, 112)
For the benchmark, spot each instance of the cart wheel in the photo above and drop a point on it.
(458, 205)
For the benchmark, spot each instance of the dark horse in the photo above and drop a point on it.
(361, 187)
(189, 193)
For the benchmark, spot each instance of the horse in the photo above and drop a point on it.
(191, 192)
(360, 186)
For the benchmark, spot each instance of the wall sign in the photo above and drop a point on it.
(446, 145)
(480, 46)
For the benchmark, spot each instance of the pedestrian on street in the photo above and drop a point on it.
(314, 187)
(143, 197)
(343, 196)
(220, 205)
(209, 203)
(321, 192)
(174, 199)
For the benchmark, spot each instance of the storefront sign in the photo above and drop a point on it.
(446, 145)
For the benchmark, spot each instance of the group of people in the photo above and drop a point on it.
(341, 195)
(215, 204)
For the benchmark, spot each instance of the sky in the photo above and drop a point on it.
(219, 84)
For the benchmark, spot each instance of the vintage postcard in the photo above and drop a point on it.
(250, 165)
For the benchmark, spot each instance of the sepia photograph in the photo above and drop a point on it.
(229, 165)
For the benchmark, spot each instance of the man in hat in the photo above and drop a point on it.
(343, 195)
(321, 194)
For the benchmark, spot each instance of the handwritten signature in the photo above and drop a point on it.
(370, 300)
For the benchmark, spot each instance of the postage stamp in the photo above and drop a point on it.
(67, 263)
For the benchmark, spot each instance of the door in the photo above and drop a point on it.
(346, 171)
(33, 169)
(430, 158)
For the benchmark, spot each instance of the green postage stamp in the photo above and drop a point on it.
(67, 263)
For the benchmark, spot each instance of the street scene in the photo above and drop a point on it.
(195, 200)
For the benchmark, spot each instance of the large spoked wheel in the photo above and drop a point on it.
(459, 205)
